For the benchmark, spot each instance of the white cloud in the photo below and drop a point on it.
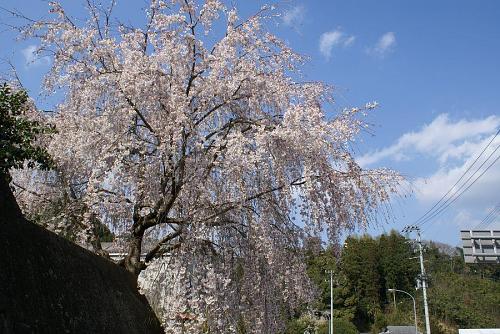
(31, 57)
(333, 38)
(349, 41)
(464, 218)
(483, 191)
(439, 154)
(469, 209)
(294, 16)
(442, 139)
(451, 147)
(446, 227)
(385, 44)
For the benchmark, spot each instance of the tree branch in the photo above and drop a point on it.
(153, 252)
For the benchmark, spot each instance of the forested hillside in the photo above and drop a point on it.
(460, 295)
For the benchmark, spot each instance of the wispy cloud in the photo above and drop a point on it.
(349, 41)
(294, 16)
(384, 45)
(31, 58)
(453, 146)
(484, 191)
(328, 40)
(442, 139)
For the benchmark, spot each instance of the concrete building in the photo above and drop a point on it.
(481, 246)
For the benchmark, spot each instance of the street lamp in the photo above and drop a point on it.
(414, 307)
(328, 316)
(330, 331)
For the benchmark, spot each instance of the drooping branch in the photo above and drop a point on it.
(137, 111)
(154, 252)
(226, 207)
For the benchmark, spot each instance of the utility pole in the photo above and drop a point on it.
(423, 276)
(330, 328)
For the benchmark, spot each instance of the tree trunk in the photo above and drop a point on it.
(132, 260)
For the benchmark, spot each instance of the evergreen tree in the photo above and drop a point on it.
(361, 265)
(460, 295)
(18, 134)
(399, 270)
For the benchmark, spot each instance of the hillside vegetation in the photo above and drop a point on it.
(460, 295)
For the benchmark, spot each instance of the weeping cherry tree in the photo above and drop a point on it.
(197, 132)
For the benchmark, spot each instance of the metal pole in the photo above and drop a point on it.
(414, 305)
(424, 284)
(331, 301)
(415, 315)
(330, 322)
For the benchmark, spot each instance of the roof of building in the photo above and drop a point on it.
(121, 247)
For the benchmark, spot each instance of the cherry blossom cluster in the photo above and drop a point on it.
(197, 132)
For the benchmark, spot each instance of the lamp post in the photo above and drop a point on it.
(330, 331)
(414, 305)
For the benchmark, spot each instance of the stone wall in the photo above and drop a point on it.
(50, 285)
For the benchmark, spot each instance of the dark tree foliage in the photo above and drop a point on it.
(371, 266)
(318, 262)
(18, 134)
(361, 264)
(367, 267)
(397, 260)
(300, 326)
(18, 144)
(460, 295)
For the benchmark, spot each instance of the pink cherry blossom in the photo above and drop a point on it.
(213, 147)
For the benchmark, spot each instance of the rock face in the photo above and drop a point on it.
(50, 285)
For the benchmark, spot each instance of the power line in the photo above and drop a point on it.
(430, 211)
(490, 217)
(461, 193)
(493, 213)
(493, 218)
(437, 213)
(457, 193)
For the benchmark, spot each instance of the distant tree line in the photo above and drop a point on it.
(460, 295)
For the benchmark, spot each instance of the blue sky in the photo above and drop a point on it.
(434, 67)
